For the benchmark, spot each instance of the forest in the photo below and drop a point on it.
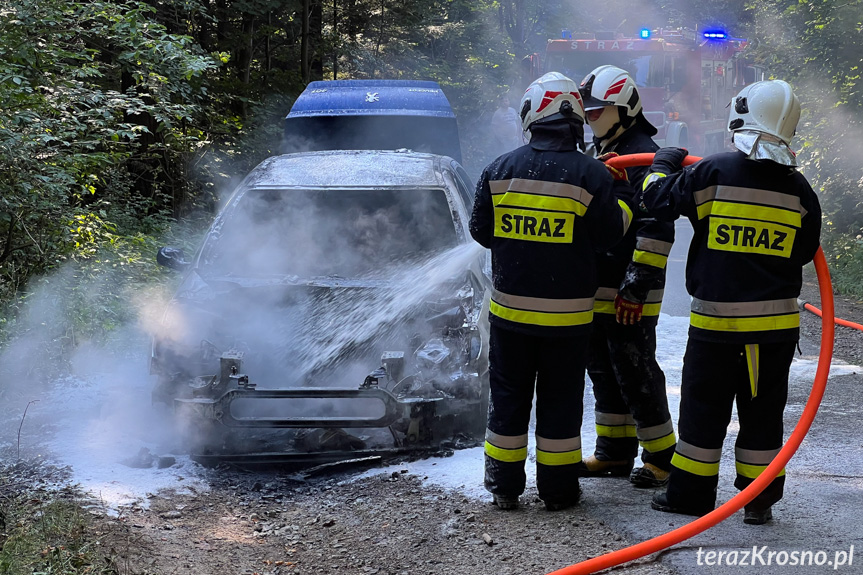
(125, 123)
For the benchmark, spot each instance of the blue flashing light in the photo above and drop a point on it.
(566, 34)
(716, 35)
(645, 33)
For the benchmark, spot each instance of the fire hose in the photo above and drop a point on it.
(839, 321)
(737, 502)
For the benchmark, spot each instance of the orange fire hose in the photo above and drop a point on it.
(737, 502)
(808, 306)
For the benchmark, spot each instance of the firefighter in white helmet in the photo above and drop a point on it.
(628, 384)
(756, 223)
(544, 210)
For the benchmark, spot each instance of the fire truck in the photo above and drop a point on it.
(685, 78)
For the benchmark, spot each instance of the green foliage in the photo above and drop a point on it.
(816, 45)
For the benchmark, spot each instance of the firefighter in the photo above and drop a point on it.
(756, 223)
(543, 209)
(629, 386)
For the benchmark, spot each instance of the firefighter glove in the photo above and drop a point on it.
(627, 312)
(668, 160)
(616, 173)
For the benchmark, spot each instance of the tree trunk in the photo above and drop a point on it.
(244, 58)
(335, 39)
(304, 42)
(316, 33)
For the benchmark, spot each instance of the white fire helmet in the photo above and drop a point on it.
(552, 94)
(769, 107)
(610, 86)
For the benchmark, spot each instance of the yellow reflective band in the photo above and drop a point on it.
(535, 202)
(752, 471)
(654, 445)
(541, 188)
(627, 215)
(694, 467)
(505, 455)
(650, 259)
(606, 307)
(749, 212)
(615, 431)
(750, 237)
(534, 226)
(561, 458)
(752, 363)
(650, 179)
(651, 309)
(745, 324)
(541, 318)
(749, 196)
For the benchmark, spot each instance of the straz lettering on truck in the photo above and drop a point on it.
(534, 226)
(754, 237)
(603, 45)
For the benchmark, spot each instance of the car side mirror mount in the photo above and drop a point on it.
(173, 258)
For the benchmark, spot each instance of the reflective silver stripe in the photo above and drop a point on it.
(698, 453)
(655, 432)
(626, 214)
(749, 195)
(755, 457)
(606, 293)
(506, 441)
(556, 189)
(745, 308)
(614, 419)
(654, 246)
(558, 445)
(543, 304)
(655, 296)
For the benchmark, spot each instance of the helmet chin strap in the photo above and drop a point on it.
(619, 125)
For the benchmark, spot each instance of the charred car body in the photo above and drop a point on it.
(335, 308)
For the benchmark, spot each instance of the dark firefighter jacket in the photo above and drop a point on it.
(635, 266)
(756, 224)
(544, 210)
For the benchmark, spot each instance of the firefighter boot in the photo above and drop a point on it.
(506, 502)
(565, 503)
(593, 467)
(649, 476)
(660, 503)
(752, 517)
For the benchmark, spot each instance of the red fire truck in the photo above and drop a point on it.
(685, 78)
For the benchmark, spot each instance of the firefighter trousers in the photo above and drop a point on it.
(554, 367)
(629, 387)
(714, 374)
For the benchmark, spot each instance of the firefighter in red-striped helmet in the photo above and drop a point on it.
(544, 210)
(628, 384)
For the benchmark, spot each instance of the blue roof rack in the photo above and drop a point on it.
(372, 97)
(373, 114)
